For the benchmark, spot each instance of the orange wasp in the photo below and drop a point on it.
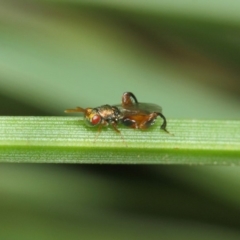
(131, 113)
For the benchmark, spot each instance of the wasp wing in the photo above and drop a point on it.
(138, 108)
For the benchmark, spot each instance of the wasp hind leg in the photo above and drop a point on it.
(151, 119)
(144, 121)
(139, 121)
(164, 125)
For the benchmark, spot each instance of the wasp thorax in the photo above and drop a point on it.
(92, 117)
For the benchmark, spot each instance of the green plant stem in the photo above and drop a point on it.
(69, 140)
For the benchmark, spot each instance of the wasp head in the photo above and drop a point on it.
(92, 117)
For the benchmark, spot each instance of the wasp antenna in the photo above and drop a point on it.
(77, 109)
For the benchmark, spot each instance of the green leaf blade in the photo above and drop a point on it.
(68, 140)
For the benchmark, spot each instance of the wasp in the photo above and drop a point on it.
(130, 113)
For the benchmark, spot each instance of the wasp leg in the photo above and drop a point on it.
(139, 121)
(144, 121)
(130, 122)
(114, 125)
(77, 109)
(164, 125)
(98, 133)
(128, 99)
(148, 120)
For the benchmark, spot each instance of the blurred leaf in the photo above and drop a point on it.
(46, 201)
(63, 54)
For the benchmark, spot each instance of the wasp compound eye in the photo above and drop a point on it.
(95, 119)
(92, 117)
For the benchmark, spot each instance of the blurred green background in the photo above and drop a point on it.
(182, 55)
